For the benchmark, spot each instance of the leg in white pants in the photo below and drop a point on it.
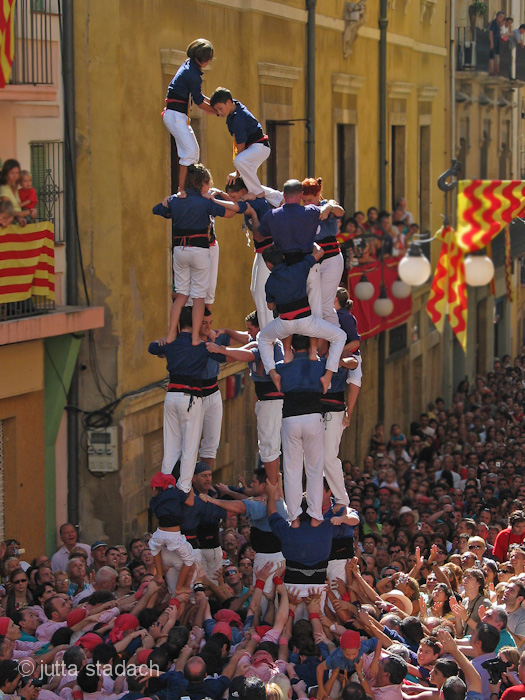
(174, 562)
(310, 326)
(211, 425)
(269, 416)
(313, 289)
(260, 274)
(247, 163)
(187, 146)
(303, 435)
(331, 271)
(211, 560)
(333, 469)
(213, 272)
(273, 197)
(182, 431)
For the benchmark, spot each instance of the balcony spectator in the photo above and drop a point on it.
(402, 204)
(494, 37)
(7, 213)
(27, 192)
(9, 179)
(372, 219)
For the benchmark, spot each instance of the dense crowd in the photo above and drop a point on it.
(434, 591)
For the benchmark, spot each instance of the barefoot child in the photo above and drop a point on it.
(167, 503)
(185, 88)
(250, 144)
(190, 219)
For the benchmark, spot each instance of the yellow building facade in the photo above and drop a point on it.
(125, 56)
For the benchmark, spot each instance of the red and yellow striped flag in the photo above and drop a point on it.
(485, 207)
(7, 39)
(27, 262)
(448, 294)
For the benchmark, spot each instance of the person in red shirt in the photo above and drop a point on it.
(514, 534)
(517, 692)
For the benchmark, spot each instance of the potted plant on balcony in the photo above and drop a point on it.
(477, 8)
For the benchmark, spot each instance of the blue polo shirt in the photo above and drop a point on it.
(243, 126)
(305, 544)
(168, 503)
(213, 366)
(348, 323)
(257, 373)
(328, 227)
(257, 512)
(183, 358)
(260, 207)
(186, 81)
(292, 227)
(177, 687)
(302, 374)
(191, 212)
(287, 283)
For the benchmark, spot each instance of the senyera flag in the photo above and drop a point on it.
(27, 262)
(7, 39)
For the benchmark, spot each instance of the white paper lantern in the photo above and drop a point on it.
(414, 269)
(383, 306)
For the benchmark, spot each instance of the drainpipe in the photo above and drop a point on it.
(383, 24)
(310, 87)
(68, 77)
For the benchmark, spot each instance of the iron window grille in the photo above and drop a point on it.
(47, 170)
(33, 62)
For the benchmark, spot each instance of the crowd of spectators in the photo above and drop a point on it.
(431, 604)
(391, 230)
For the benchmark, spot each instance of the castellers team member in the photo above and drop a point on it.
(167, 504)
(260, 273)
(332, 265)
(348, 322)
(335, 421)
(190, 221)
(266, 545)
(269, 404)
(183, 403)
(185, 88)
(286, 292)
(211, 396)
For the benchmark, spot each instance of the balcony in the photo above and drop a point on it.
(33, 63)
(473, 46)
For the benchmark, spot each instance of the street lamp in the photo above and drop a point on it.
(414, 269)
(383, 306)
(364, 290)
(479, 270)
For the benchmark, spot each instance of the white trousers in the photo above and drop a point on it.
(333, 469)
(260, 274)
(303, 436)
(269, 416)
(211, 425)
(191, 271)
(187, 146)
(247, 163)
(331, 271)
(212, 273)
(276, 558)
(273, 197)
(174, 563)
(182, 431)
(211, 560)
(173, 542)
(313, 289)
(310, 326)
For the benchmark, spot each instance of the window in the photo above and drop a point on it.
(47, 168)
(33, 62)
(397, 163)
(346, 167)
(397, 339)
(424, 178)
(277, 165)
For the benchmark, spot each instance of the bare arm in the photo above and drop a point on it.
(237, 507)
(449, 646)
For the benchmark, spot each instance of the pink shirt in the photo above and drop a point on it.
(45, 631)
